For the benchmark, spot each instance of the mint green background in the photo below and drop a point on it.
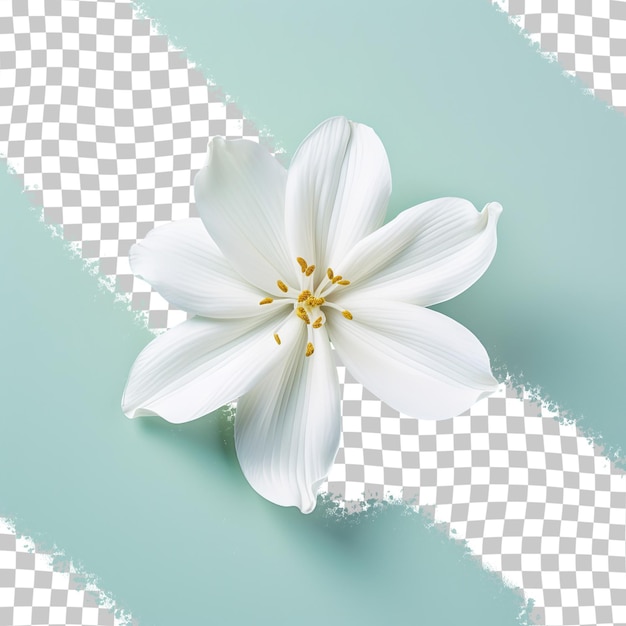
(464, 107)
(162, 513)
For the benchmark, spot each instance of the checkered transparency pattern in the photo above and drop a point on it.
(107, 124)
(533, 498)
(587, 37)
(32, 591)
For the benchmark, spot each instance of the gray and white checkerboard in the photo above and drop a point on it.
(587, 37)
(107, 124)
(533, 498)
(33, 590)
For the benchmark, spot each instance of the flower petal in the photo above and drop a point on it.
(338, 187)
(202, 364)
(287, 427)
(428, 254)
(418, 361)
(183, 263)
(240, 196)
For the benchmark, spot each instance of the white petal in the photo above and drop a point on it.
(428, 254)
(418, 361)
(337, 191)
(287, 427)
(183, 263)
(202, 364)
(240, 196)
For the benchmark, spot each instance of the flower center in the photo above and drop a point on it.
(309, 299)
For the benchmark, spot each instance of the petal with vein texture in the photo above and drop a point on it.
(240, 196)
(338, 186)
(428, 254)
(287, 427)
(202, 364)
(418, 361)
(183, 263)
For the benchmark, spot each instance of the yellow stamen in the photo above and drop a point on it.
(309, 270)
(309, 349)
(302, 263)
(301, 313)
(347, 315)
(313, 301)
(317, 323)
(266, 301)
(282, 286)
(336, 279)
(304, 295)
(277, 338)
(343, 282)
(330, 273)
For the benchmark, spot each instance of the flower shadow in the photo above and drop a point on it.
(206, 445)
(202, 442)
(335, 541)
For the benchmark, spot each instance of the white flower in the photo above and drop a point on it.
(283, 263)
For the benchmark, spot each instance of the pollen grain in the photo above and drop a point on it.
(309, 349)
(304, 295)
(277, 338)
(347, 314)
(282, 286)
(267, 301)
(302, 314)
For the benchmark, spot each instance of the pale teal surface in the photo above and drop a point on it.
(161, 513)
(465, 107)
